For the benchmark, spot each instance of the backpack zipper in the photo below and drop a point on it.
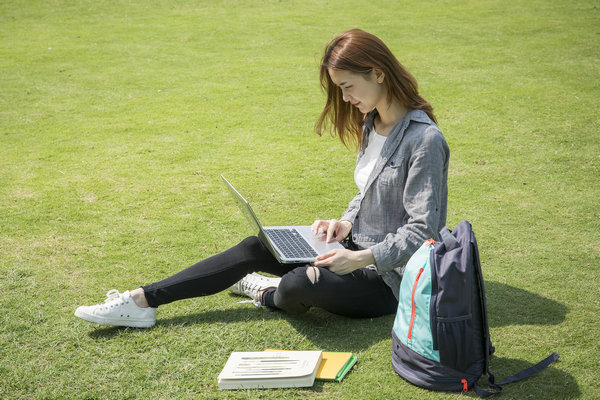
(414, 311)
(430, 242)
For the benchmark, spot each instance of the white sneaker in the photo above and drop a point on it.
(252, 284)
(118, 309)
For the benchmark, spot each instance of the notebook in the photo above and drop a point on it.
(288, 244)
(270, 369)
(335, 365)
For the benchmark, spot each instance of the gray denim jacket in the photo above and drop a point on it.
(405, 198)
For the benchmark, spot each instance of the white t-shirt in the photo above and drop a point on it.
(367, 162)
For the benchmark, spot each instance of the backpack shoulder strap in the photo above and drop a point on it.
(448, 239)
(526, 373)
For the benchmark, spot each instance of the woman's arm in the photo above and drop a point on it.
(340, 261)
(424, 200)
(350, 213)
(344, 261)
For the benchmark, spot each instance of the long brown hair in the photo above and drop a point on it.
(360, 52)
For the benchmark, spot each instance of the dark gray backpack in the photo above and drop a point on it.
(441, 337)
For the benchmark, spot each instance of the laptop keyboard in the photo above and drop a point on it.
(291, 243)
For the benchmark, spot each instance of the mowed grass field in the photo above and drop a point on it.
(117, 117)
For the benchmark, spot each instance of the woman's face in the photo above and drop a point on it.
(364, 91)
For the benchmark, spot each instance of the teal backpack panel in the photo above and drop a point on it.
(413, 319)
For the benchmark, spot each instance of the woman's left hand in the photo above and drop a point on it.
(343, 261)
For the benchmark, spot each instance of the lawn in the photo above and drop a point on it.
(117, 117)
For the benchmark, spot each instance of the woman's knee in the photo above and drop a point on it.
(300, 279)
(294, 291)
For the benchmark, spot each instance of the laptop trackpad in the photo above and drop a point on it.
(317, 242)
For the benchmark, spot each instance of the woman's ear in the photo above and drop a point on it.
(379, 75)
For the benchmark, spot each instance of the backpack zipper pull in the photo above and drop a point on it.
(465, 385)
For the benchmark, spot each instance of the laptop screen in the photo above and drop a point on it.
(244, 207)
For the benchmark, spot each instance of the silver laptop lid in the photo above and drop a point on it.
(245, 208)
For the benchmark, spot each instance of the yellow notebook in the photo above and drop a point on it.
(335, 365)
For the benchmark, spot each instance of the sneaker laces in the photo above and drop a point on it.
(252, 289)
(112, 296)
(255, 302)
(249, 287)
(253, 285)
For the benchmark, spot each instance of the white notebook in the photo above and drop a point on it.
(270, 369)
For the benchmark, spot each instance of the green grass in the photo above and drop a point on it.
(116, 119)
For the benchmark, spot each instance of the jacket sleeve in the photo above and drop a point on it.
(424, 196)
(352, 211)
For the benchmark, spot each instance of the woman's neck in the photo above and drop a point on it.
(388, 116)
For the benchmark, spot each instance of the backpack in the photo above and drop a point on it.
(441, 337)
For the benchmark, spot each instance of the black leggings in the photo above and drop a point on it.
(363, 293)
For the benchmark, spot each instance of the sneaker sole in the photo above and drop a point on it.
(115, 322)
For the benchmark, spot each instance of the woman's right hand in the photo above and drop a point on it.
(334, 229)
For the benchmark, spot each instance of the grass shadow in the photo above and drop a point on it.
(508, 305)
(334, 333)
(325, 330)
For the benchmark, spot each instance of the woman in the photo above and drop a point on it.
(401, 173)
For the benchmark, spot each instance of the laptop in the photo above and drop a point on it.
(288, 244)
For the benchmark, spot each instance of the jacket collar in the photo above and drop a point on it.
(397, 131)
(393, 140)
